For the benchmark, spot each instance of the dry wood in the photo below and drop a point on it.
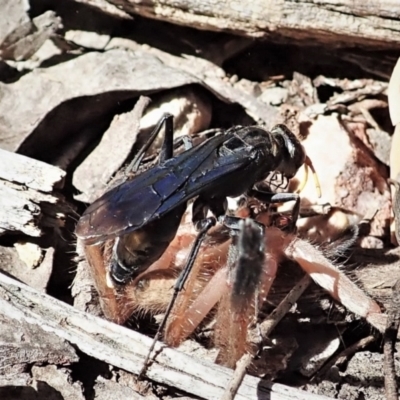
(126, 349)
(59, 380)
(28, 347)
(371, 23)
(267, 326)
(389, 342)
(94, 173)
(215, 79)
(109, 390)
(22, 42)
(28, 211)
(25, 189)
(237, 378)
(29, 172)
(28, 123)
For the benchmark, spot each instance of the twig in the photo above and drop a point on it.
(237, 378)
(345, 354)
(389, 341)
(284, 306)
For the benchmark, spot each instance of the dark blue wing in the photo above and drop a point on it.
(155, 192)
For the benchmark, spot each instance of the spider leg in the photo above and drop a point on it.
(247, 249)
(192, 307)
(152, 290)
(205, 227)
(247, 273)
(329, 277)
(97, 257)
(185, 320)
(246, 261)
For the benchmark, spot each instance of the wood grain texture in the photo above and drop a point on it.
(29, 172)
(373, 23)
(26, 190)
(127, 349)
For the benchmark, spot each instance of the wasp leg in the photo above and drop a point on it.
(167, 147)
(217, 206)
(273, 198)
(206, 225)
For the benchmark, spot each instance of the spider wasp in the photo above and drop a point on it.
(141, 216)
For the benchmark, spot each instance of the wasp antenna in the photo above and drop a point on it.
(309, 163)
(305, 179)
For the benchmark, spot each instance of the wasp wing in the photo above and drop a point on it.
(155, 192)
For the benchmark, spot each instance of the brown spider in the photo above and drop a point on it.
(234, 273)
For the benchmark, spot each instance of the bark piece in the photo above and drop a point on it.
(89, 40)
(369, 23)
(38, 277)
(25, 189)
(8, 383)
(380, 142)
(363, 376)
(95, 172)
(77, 92)
(59, 381)
(27, 38)
(106, 7)
(109, 390)
(350, 177)
(29, 211)
(126, 349)
(23, 344)
(213, 78)
(17, 16)
(32, 173)
(29, 253)
(83, 291)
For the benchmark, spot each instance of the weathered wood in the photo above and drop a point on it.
(28, 123)
(215, 79)
(372, 23)
(27, 202)
(60, 381)
(126, 349)
(32, 173)
(109, 390)
(92, 176)
(26, 38)
(28, 347)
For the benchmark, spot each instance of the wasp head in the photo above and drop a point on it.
(293, 153)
